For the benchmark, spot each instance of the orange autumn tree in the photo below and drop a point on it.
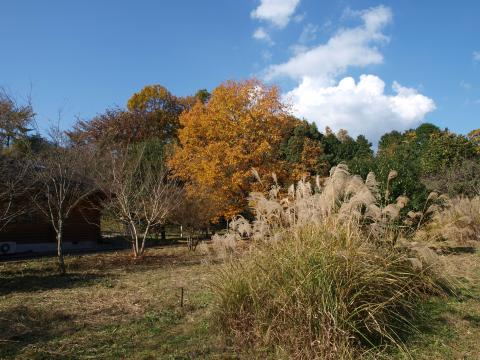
(241, 127)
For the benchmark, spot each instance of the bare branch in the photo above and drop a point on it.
(140, 193)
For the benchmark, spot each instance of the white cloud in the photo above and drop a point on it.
(276, 12)
(298, 48)
(262, 35)
(309, 34)
(476, 55)
(348, 47)
(361, 108)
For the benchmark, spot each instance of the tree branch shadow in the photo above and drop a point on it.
(22, 327)
(44, 281)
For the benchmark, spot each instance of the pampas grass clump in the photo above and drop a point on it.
(323, 277)
(456, 223)
(343, 198)
(324, 292)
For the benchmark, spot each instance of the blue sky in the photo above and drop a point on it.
(336, 62)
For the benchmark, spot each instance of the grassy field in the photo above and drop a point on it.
(450, 327)
(108, 306)
(112, 307)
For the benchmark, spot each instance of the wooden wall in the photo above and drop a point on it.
(82, 225)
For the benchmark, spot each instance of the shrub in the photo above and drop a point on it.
(458, 179)
(322, 278)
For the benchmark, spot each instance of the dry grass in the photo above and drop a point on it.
(325, 276)
(324, 293)
(455, 224)
(343, 198)
(108, 306)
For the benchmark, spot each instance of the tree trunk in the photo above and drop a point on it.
(134, 237)
(61, 263)
(142, 249)
(163, 233)
(134, 249)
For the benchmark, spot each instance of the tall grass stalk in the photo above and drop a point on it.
(322, 277)
(324, 291)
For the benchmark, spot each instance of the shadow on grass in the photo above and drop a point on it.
(23, 326)
(44, 281)
(42, 274)
(125, 261)
(123, 242)
(458, 250)
(428, 323)
(473, 319)
(432, 317)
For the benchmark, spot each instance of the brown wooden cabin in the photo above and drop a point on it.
(33, 233)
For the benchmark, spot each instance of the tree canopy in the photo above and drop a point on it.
(16, 120)
(153, 112)
(241, 127)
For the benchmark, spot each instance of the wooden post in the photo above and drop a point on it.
(181, 298)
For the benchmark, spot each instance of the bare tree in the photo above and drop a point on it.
(140, 193)
(194, 214)
(61, 181)
(13, 189)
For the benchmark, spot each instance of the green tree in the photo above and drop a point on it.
(362, 161)
(331, 146)
(424, 132)
(303, 149)
(389, 141)
(415, 154)
(474, 137)
(203, 95)
(356, 153)
(445, 149)
(403, 160)
(417, 138)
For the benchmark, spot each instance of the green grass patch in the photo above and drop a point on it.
(449, 327)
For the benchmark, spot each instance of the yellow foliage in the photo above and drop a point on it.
(241, 127)
(150, 98)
